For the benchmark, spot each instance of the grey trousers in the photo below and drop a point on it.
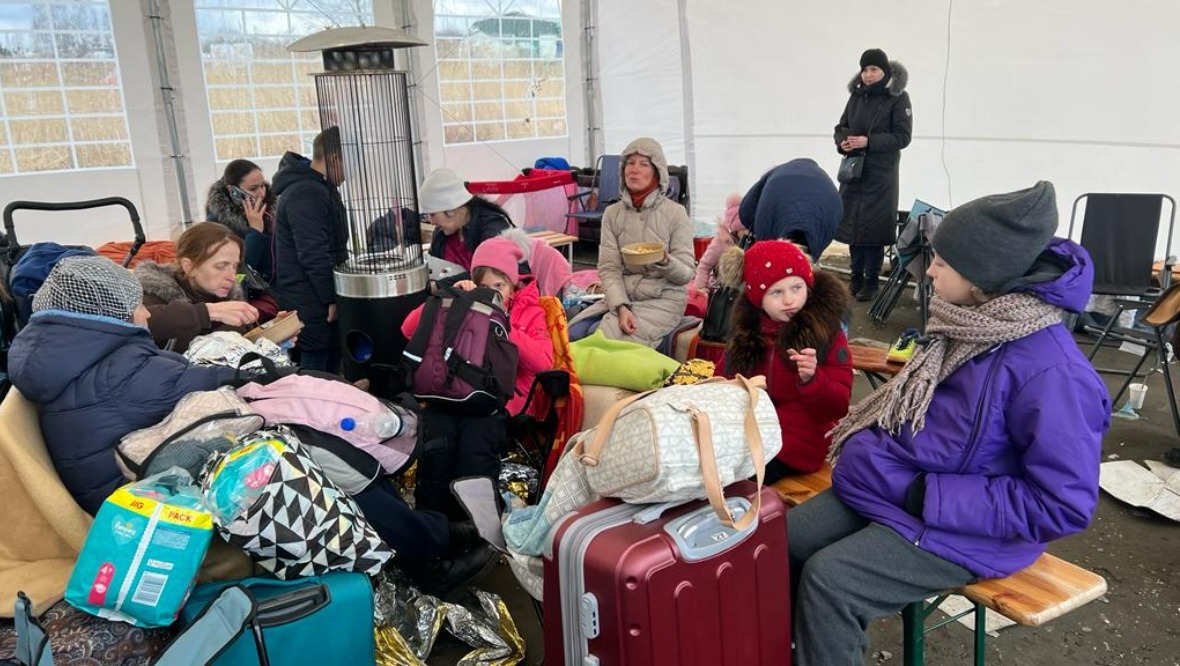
(846, 572)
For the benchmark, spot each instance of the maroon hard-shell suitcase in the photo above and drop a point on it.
(653, 585)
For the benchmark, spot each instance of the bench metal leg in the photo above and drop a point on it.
(913, 647)
(875, 379)
(913, 621)
(980, 633)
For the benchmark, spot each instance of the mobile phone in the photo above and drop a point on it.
(238, 194)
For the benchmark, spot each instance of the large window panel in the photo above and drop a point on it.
(61, 97)
(501, 69)
(261, 96)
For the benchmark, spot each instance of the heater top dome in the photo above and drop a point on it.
(354, 36)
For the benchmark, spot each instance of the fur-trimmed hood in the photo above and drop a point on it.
(162, 282)
(221, 208)
(814, 326)
(730, 267)
(898, 78)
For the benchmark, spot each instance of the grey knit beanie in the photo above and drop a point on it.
(994, 240)
(90, 285)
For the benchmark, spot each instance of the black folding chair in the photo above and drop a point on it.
(606, 187)
(1120, 232)
(913, 254)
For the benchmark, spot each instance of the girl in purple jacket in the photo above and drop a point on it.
(983, 449)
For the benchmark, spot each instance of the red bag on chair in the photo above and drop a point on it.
(698, 302)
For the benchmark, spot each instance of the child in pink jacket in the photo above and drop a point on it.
(728, 228)
(455, 446)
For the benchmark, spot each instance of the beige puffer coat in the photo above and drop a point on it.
(657, 293)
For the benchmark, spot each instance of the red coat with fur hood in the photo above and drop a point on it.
(757, 346)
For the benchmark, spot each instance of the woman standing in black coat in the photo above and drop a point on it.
(877, 122)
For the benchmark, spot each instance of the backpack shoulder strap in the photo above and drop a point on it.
(460, 306)
(416, 345)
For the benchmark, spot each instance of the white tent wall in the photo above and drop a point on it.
(641, 75)
(1074, 92)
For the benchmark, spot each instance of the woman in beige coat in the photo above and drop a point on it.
(643, 303)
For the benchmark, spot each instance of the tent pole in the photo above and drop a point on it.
(413, 66)
(166, 91)
(590, 77)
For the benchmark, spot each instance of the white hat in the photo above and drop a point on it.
(442, 190)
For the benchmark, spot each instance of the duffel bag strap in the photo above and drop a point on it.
(228, 614)
(588, 455)
(32, 643)
(703, 433)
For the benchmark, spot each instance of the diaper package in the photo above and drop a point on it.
(143, 551)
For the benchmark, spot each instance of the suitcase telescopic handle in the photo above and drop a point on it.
(293, 606)
(53, 206)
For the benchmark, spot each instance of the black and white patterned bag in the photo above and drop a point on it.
(269, 498)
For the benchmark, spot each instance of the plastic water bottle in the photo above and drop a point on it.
(382, 425)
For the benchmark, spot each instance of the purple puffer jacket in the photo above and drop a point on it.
(1010, 448)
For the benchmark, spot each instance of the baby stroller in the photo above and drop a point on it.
(914, 253)
(17, 286)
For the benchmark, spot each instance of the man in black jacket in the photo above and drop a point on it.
(311, 236)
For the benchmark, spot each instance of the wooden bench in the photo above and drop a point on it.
(874, 363)
(1047, 589)
(558, 242)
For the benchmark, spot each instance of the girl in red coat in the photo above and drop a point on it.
(788, 328)
(459, 446)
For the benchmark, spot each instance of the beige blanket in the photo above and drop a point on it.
(42, 528)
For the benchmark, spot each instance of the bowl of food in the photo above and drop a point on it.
(277, 330)
(642, 254)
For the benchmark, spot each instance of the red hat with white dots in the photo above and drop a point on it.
(767, 262)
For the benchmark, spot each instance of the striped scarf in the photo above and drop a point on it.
(959, 333)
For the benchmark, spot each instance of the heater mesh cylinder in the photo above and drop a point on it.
(376, 167)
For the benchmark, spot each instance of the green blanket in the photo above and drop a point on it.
(628, 365)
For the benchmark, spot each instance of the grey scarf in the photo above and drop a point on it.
(959, 334)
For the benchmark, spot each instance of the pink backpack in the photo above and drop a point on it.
(323, 404)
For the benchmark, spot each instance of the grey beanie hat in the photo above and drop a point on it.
(90, 285)
(994, 240)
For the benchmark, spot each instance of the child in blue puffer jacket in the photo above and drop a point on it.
(983, 449)
(89, 362)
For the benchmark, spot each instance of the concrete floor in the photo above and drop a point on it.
(1135, 550)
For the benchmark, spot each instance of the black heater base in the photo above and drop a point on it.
(372, 341)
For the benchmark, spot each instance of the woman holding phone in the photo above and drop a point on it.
(243, 201)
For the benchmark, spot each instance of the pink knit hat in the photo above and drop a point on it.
(501, 254)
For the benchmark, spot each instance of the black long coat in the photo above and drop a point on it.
(311, 236)
(883, 114)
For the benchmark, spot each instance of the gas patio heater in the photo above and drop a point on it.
(362, 93)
